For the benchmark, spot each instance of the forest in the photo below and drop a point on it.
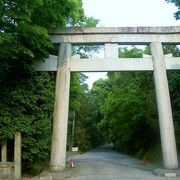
(120, 109)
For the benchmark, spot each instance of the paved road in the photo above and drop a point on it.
(106, 164)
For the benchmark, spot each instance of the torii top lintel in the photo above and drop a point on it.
(121, 35)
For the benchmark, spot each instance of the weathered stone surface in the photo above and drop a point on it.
(111, 50)
(50, 64)
(17, 156)
(127, 39)
(127, 35)
(108, 64)
(111, 64)
(6, 170)
(4, 151)
(116, 30)
(167, 172)
(60, 122)
(166, 125)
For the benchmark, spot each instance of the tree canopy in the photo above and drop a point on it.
(27, 97)
(24, 29)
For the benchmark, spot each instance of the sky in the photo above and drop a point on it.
(121, 13)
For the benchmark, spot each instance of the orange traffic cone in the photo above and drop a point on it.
(71, 163)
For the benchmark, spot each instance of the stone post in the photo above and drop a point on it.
(4, 151)
(17, 156)
(60, 122)
(164, 107)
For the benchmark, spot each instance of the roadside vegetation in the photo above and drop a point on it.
(27, 97)
(128, 108)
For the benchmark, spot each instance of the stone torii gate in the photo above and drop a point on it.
(64, 64)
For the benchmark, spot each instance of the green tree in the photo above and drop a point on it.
(83, 106)
(99, 93)
(27, 97)
(131, 113)
(27, 107)
(24, 26)
(130, 108)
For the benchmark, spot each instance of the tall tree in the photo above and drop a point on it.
(130, 111)
(24, 25)
(99, 93)
(27, 97)
(83, 105)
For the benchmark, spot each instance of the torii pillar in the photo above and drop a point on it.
(60, 120)
(168, 142)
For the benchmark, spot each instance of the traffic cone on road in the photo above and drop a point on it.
(71, 163)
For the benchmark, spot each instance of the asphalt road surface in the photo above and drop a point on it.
(107, 164)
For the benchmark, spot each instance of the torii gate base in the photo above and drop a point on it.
(111, 37)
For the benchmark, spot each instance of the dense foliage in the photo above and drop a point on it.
(24, 24)
(27, 97)
(131, 113)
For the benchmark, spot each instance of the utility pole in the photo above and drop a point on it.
(73, 128)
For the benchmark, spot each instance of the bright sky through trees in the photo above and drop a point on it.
(117, 13)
